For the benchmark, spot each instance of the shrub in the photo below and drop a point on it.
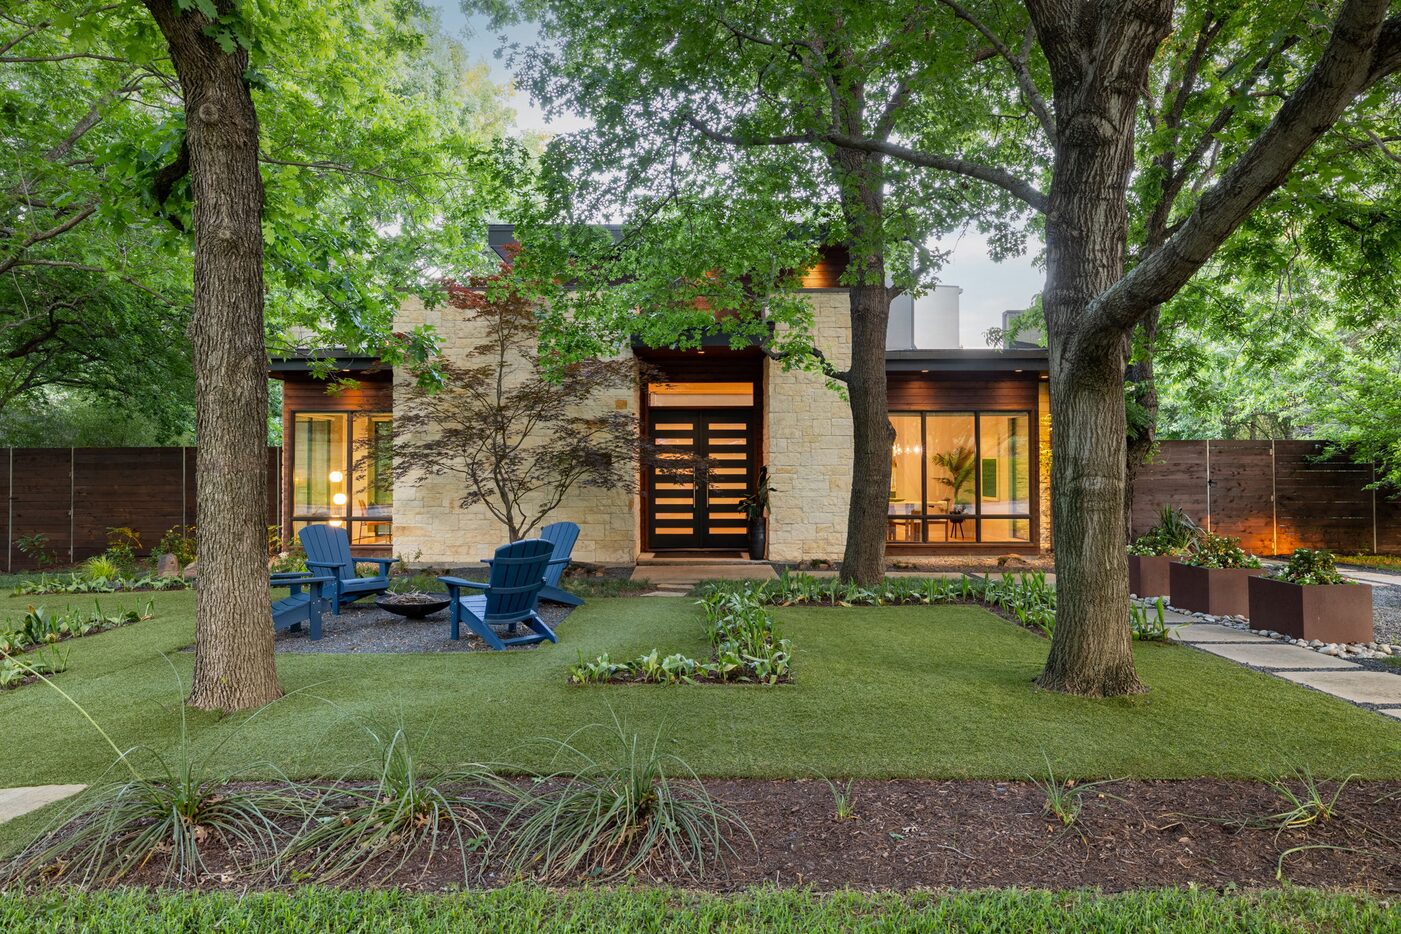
(180, 541)
(610, 818)
(1174, 534)
(293, 559)
(36, 548)
(1306, 566)
(1218, 551)
(101, 568)
(123, 544)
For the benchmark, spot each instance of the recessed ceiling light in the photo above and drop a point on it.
(924, 371)
(1016, 371)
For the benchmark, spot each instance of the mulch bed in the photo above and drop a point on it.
(909, 835)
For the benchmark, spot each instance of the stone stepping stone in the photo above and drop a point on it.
(1275, 655)
(1210, 632)
(1360, 687)
(15, 802)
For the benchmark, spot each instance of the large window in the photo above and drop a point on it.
(960, 477)
(342, 473)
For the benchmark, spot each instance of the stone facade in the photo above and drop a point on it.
(431, 528)
(807, 427)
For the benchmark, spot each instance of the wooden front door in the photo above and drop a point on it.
(704, 467)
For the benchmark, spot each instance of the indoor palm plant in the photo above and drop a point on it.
(1309, 599)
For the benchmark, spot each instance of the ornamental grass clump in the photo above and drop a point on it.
(356, 832)
(166, 812)
(636, 810)
(1174, 534)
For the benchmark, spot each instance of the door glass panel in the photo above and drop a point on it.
(374, 475)
(1004, 467)
(1006, 530)
(951, 461)
(319, 470)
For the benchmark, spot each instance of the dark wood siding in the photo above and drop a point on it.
(955, 393)
(371, 392)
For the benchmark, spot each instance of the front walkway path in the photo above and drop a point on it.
(1349, 681)
(676, 580)
(15, 802)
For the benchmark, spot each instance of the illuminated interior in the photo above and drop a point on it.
(342, 473)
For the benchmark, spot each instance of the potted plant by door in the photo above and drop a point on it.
(756, 508)
(1212, 577)
(1153, 551)
(1309, 599)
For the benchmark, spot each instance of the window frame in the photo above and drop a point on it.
(925, 516)
(347, 517)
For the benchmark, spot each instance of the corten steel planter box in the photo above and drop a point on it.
(1218, 591)
(1327, 612)
(1148, 575)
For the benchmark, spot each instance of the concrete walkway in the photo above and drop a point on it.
(1376, 690)
(677, 579)
(15, 802)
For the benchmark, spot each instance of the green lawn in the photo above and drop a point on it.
(912, 691)
(522, 909)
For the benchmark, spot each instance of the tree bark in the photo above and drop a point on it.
(234, 663)
(863, 204)
(871, 434)
(1086, 232)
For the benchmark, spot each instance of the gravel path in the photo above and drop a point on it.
(1386, 605)
(366, 629)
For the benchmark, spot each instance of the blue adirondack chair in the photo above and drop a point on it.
(328, 550)
(562, 536)
(507, 599)
(301, 605)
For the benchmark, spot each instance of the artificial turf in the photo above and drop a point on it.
(938, 692)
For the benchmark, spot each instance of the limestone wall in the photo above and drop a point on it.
(432, 528)
(808, 434)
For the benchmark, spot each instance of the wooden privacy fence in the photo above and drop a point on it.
(1274, 496)
(74, 495)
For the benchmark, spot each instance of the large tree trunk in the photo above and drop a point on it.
(872, 436)
(1086, 233)
(234, 663)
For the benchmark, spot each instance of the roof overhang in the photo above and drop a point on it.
(967, 361)
(340, 361)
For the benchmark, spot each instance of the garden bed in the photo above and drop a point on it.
(968, 834)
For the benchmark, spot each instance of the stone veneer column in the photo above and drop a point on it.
(430, 526)
(808, 439)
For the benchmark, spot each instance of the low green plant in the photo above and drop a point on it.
(76, 584)
(1065, 798)
(357, 832)
(162, 812)
(36, 548)
(180, 541)
(843, 803)
(101, 568)
(1308, 805)
(417, 582)
(1306, 566)
(1146, 626)
(1174, 534)
(1218, 551)
(123, 545)
(39, 627)
(603, 818)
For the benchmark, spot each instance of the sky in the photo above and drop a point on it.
(989, 288)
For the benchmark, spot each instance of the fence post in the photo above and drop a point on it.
(1274, 503)
(72, 503)
(1374, 507)
(1208, 486)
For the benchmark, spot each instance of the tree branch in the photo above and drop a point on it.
(1359, 53)
(1018, 63)
(986, 173)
